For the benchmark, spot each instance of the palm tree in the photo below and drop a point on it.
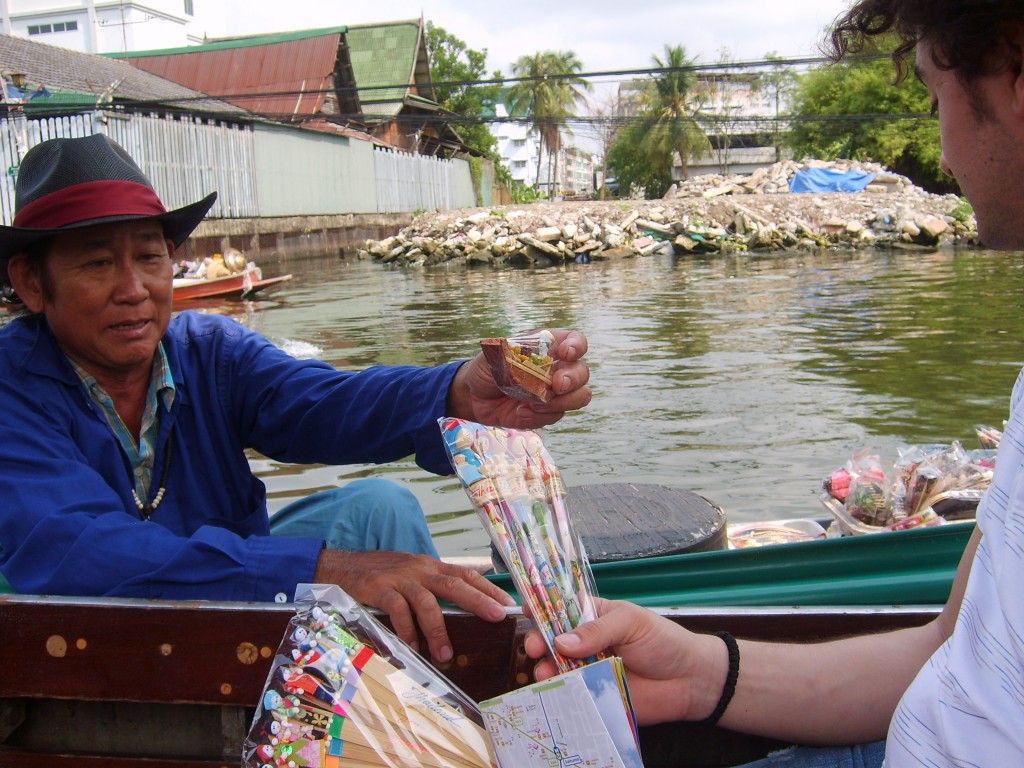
(547, 93)
(671, 126)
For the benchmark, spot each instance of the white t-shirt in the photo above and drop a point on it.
(966, 706)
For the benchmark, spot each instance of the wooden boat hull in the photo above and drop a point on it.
(172, 684)
(231, 286)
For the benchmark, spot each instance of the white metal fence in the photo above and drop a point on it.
(408, 182)
(185, 159)
(189, 158)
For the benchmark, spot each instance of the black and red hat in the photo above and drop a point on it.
(67, 184)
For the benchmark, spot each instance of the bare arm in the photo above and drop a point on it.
(838, 692)
(844, 691)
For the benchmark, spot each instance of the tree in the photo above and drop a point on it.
(777, 84)
(851, 110)
(672, 127)
(666, 125)
(457, 68)
(547, 94)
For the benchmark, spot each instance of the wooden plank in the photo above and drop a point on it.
(169, 684)
(195, 651)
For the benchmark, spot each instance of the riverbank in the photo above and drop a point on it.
(707, 214)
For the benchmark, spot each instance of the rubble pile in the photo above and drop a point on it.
(703, 215)
(776, 178)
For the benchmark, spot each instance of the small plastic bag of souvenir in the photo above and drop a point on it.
(988, 437)
(519, 497)
(521, 365)
(860, 494)
(344, 691)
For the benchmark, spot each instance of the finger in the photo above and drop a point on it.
(534, 645)
(589, 638)
(544, 669)
(470, 591)
(566, 377)
(570, 345)
(400, 614)
(431, 621)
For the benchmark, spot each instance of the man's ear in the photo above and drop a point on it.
(26, 281)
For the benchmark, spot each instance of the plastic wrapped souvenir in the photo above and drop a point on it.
(521, 365)
(926, 485)
(344, 691)
(519, 496)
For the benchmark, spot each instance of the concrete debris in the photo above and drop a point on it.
(707, 214)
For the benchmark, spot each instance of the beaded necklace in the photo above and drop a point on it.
(146, 510)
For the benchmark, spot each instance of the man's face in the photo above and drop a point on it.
(982, 145)
(107, 296)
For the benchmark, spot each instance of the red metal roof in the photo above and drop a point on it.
(251, 76)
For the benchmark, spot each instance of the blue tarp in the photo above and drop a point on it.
(823, 180)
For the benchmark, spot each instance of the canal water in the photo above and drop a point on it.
(743, 378)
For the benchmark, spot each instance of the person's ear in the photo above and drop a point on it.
(26, 281)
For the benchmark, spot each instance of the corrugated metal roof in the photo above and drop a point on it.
(281, 77)
(74, 72)
(365, 73)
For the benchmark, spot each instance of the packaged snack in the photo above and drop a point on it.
(344, 691)
(521, 365)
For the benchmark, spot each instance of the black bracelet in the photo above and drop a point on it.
(730, 680)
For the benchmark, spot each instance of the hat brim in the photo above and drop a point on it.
(178, 225)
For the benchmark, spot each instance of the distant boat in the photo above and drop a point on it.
(227, 275)
(238, 285)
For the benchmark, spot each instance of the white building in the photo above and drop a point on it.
(112, 26)
(517, 147)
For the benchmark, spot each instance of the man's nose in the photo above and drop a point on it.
(130, 283)
(945, 166)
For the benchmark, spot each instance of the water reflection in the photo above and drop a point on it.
(743, 378)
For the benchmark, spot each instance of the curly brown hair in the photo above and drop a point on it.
(965, 35)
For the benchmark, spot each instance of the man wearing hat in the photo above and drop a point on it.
(123, 431)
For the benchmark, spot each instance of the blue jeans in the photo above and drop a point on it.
(868, 755)
(364, 515)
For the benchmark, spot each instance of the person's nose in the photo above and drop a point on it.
(131, 286)
(945, 166)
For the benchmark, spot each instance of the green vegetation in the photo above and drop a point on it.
(547, 95)
(666, 127)
(851, 110)
(962, 211)
(454, 63)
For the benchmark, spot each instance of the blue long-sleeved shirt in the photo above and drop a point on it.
(68, 523)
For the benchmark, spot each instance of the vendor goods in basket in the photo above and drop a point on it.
(924, 485)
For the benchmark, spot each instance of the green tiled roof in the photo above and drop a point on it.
(383, 54)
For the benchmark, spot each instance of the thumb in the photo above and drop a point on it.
(586, 640)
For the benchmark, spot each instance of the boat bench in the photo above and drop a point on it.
(162, 684)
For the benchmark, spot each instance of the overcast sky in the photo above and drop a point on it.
(606, 35)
